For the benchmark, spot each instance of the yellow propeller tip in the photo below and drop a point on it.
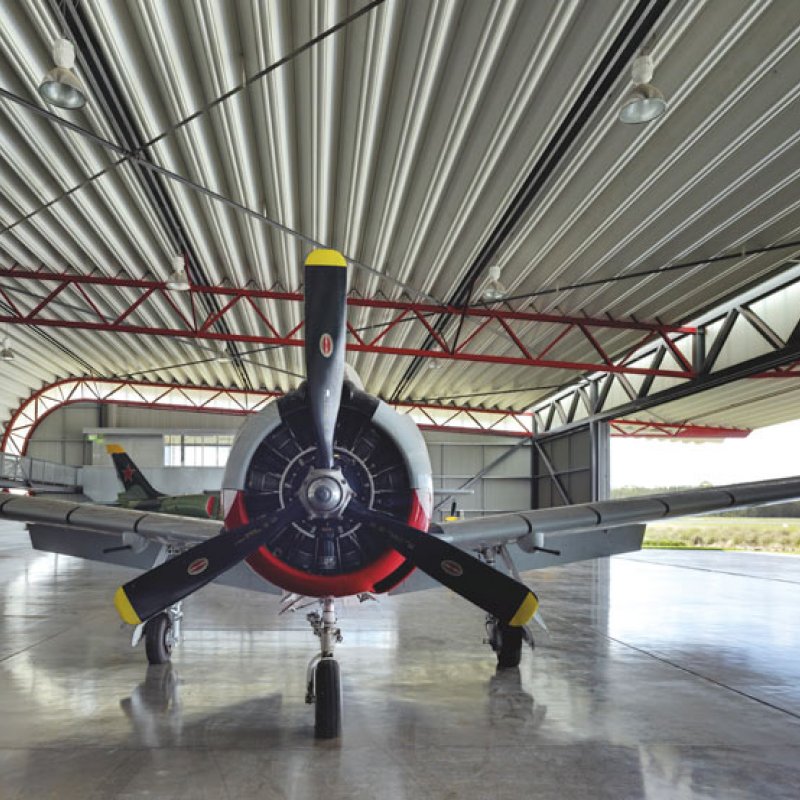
(325, 258)
(114, 448)
(525, 612)
(124, 608)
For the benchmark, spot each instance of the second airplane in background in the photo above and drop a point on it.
(138, 493)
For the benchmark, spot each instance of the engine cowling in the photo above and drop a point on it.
(384, 460)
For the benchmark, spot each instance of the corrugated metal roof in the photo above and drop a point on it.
(400, 140)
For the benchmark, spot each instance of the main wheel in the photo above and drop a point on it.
(328, 709)
(509, 651)
(158, 640)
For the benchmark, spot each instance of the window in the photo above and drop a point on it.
(197, 450)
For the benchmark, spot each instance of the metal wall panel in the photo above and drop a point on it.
(570, 467)
(458, 458)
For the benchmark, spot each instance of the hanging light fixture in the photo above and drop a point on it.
(6, 353)
(61, 86)
(494, 290)
(178, 281)
(644, 102)
(225, 355)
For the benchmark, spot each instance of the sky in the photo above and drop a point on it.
(772, 452)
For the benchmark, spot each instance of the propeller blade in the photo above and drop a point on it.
(162, 586)
(496, 593)
(326, 312)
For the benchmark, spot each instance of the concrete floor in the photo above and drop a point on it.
(664, 675)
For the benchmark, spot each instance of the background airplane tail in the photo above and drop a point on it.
(136, 485)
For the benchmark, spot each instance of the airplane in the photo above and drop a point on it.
(139, 493)
(327, 494)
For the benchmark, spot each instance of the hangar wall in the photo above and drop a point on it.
(62, 437)
(456, 458)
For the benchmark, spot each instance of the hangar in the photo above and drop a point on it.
(525, 226)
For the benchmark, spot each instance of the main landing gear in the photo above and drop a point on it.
(506, 640)
(324, 687)
(161, 633)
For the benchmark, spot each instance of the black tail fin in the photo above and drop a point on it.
(136, 485)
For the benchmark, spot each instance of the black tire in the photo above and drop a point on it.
(509, 653)
(158, 639)
(328, 708)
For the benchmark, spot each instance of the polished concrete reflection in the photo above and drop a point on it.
(664, 675)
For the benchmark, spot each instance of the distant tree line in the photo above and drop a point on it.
(763, 512)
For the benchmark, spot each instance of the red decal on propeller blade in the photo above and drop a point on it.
(326, 345)
(452, 568)
(197, 567)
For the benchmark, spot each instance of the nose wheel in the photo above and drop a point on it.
(327, 700)
(323, 678)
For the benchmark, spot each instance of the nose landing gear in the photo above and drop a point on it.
(323, 679)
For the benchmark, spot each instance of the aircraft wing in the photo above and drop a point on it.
(540, 529)
(163, 529)
(553, 536)
(122, 536)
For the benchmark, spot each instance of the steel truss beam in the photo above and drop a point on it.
(757, 339)
(653, 429)
(498, 335)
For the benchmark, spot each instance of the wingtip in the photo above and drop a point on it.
(124, 607)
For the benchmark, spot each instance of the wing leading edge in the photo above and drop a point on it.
(152, 527)
(537, 529)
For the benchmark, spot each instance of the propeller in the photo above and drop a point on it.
(325, 311)
(165, 585)
(325, 492)
(495, 592)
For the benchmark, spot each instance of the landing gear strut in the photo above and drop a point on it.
(324, 685)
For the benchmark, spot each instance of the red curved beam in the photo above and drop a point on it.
(216, 400)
